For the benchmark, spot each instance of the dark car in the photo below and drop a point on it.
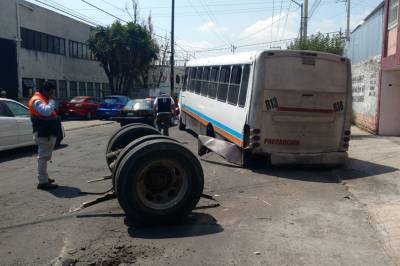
(111, 106)
(136, 111)
(81, 106)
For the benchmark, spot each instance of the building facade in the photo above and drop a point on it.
(39, 44)
(374, 50)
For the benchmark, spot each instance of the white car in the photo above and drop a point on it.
(15, 125)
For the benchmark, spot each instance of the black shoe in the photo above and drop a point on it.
(47, 186)
(50, 180)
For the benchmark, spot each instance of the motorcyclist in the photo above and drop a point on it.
(163, 109)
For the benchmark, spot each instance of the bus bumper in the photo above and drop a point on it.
(312, 159)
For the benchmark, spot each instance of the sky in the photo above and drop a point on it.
(205, 28)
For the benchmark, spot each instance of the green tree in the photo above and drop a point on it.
(125, 51)
(320, 42)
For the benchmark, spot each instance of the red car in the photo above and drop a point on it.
(81, 106)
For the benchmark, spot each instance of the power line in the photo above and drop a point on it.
(287, 16)
(190, 2)
(314, 7)
(244, 45)
(65, 10)
(260, 30)
(279, 23)
(102, 10)
(211, 15)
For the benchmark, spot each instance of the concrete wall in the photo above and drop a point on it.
(8, 19)
(34, 64)
(365, 93)
(389, 122)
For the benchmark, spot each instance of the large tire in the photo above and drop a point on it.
(159, 182)
(126, 135)
(131, 146)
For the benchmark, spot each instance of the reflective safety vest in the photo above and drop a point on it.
(32, 110)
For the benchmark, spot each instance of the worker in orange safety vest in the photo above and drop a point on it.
(46, 128)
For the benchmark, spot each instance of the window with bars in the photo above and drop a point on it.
(90, 89)
(73, 89)
(97, 90)
(82, 89)
(80, 50)
(43, 42)
(62, 89)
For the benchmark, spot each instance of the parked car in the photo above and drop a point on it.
(80, 106)
(16, 126)
(111, 106)
(136, 111)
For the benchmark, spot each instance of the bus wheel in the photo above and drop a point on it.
(182, 126)
(159, 182)
(125, 135)
(201, 150)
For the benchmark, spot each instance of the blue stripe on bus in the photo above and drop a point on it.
(216, 123)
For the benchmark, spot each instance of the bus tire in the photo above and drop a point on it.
(131, 146)
(120, 129)
(159, 182)
(124, 136)
(182, 126)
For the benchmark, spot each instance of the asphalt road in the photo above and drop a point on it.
(268, 216)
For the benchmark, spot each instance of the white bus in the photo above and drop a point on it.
(294, 107)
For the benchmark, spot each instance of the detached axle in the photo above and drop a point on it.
(156, 179)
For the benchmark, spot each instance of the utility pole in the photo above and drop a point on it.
(305, 19)
(301, 18)
(348, 21)
(172, 74)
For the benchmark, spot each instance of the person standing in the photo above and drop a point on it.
(46, 128)
(3, 94)
(163, 107)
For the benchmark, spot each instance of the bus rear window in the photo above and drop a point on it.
(244, 85)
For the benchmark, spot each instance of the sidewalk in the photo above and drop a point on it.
(79, 124)
(374, 181)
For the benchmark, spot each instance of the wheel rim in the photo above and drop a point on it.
(162, 184)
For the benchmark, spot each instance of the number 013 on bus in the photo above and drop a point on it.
(293, 107)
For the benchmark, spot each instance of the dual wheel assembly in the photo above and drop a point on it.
(156, 179)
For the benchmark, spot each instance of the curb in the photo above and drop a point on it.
(89, 126)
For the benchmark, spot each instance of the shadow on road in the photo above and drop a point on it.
(15, 154)
(360, 169)
(197, 224)
(354, 169)
(67, 192)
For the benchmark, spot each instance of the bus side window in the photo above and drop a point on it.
(205, 82)
(212, 90)
(223, 83)
(234, 85)
(244, 85)
(198, 80)
(192, 79)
